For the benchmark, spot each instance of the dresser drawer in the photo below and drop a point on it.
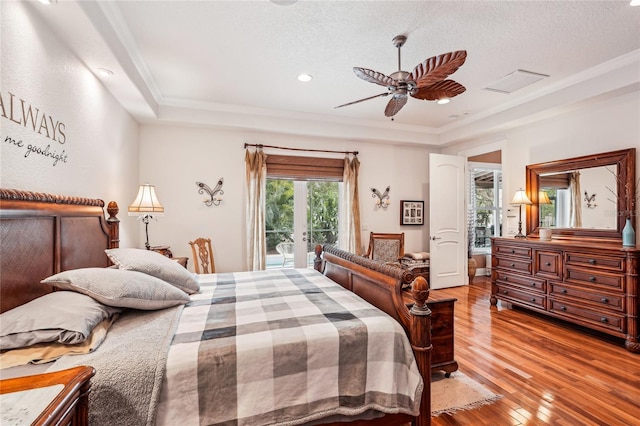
(519, 296)
(526, 283)
(587, 260)
(599, 319)
(519, 265)
(582, 295)
(594, 278)
(548, 264)
(513, 251)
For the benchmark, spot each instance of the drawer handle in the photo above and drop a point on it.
(548, 264)
(506, 278)
(533, 284)
(563, 291)
(592, 279)
(513, 251)
(605, 300)
(592, 261)
(513, 265)
(505, 292)
(604, 320)
(533, 299)
(563, 308)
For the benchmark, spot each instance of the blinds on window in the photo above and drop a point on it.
(304, 168)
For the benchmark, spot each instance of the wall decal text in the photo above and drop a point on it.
(24, 114)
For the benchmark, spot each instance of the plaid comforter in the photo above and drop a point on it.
(284, 347)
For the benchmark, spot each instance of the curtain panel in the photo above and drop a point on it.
(256, 179)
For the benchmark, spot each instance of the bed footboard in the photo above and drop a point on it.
(381, 285)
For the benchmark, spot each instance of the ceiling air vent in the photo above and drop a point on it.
(514, 81)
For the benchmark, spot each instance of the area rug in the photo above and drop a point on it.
(458, 392)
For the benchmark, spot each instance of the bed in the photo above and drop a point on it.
(42, 235)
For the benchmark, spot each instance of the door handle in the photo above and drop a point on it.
(436, 238)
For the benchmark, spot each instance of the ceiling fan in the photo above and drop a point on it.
(426, 81)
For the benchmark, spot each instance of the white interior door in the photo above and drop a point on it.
(447, 224)
(300, 236)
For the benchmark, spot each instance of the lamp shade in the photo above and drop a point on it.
(520, 197)
(543, 198)
(146, 202)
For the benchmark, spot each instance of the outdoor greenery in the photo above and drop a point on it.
(278, 214)
(322, 212)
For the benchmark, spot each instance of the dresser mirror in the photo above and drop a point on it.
(587, 196)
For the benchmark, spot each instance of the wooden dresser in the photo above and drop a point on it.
(589, 283)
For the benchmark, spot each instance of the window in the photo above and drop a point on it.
(485, 205)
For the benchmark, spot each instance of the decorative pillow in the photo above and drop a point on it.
(121, 288)
(154, 264)
(62, 316)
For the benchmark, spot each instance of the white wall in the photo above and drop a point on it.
(592, 128)
(97, 136)
(173, 158)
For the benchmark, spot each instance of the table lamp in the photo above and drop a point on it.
(145, 206)
(520, 198)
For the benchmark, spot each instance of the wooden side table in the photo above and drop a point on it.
(59, 398)
(442, 338)
(166, 251)
(182, 261)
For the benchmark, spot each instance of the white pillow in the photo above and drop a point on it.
(154, 264)
(62, 316)
(119, 287)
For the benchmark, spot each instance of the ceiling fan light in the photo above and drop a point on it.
(443, 101)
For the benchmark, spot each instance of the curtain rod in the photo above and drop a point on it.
(257, 145)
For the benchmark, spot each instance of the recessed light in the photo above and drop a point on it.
(48, 1)
(105, 72)
(305, 78)
(443, 101)
(635, 3)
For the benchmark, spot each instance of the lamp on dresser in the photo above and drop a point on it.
(145, 206)
(520, 198)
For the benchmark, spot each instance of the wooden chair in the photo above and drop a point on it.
(385, 247)
(203, 256)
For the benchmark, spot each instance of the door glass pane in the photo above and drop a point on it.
(322, 214)
(278, 217)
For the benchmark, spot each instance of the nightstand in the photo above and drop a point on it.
(163, 250)
(166, 251)
(59, 398)
(181, 260)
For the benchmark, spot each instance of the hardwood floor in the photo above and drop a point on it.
(548, 371)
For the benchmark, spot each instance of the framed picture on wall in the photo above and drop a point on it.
(411, 212)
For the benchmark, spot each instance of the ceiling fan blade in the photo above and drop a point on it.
(362, 100)
(437, 68)
(439, 90)
(395, 105)
(374, 77)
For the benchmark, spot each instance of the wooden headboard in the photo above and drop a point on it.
(43, 234)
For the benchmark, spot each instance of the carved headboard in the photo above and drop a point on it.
(43, 234)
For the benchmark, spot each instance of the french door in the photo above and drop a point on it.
(299, 215)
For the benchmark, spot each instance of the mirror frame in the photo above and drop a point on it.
(625, 160)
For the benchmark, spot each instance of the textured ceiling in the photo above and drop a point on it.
(211, 62)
